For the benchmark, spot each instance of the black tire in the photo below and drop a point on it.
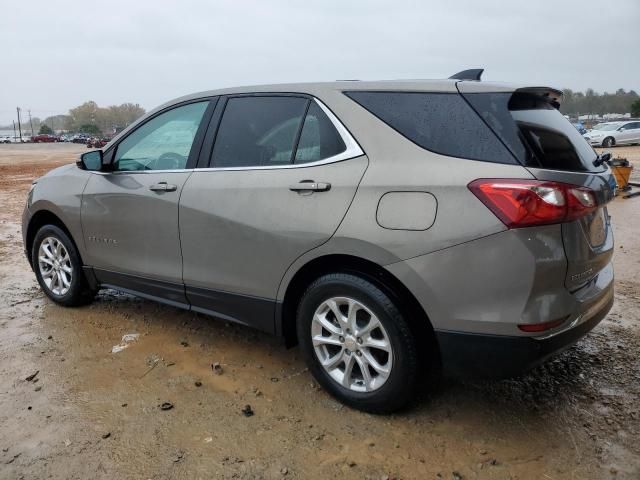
(608, 142)
(399, 388)
(79, 291)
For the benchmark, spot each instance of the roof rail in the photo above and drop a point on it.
(472, 74)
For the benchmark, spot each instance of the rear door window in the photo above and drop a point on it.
(535, 131)
(258, 131)
(319, 139)
(440, 122)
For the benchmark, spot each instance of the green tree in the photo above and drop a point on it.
(45, 129)
(106, 119)
(59, 122)
(635, 108)
(90, 129)
(85, 114)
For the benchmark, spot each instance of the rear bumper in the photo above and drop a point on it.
(500, 356)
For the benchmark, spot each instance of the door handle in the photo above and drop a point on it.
(310, 186)
(163, 187)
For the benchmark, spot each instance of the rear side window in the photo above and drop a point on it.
(440, 122)
(266, 131)
(258, 131)
(319, 139)
(535, 132)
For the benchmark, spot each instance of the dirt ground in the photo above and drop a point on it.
(90, 413)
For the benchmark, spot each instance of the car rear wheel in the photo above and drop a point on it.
(608, 142)
(357, 344)
(58, 268)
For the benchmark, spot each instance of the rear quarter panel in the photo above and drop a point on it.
(397, 164)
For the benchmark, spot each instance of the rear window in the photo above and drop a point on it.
(535, 132)
(440, 122)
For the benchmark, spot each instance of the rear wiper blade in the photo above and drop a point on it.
(602, 158)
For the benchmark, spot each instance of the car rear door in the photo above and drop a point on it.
(279, 178)
(130, 214)
(634, 132)
(530, 125)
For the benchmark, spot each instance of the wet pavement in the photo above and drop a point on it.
(91, 413)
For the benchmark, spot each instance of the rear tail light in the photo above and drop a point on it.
(526, 203)
(541, 327)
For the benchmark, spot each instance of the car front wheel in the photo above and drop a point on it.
(357, 344)
(607, 142)
(58, 268)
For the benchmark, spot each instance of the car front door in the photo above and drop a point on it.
(281, 176)
(130, 213)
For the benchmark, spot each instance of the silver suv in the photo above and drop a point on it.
(388, 228)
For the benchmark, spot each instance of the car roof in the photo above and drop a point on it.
(316, 88)
(322, 89)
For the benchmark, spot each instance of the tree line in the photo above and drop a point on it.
(592, 102)
(87, 118)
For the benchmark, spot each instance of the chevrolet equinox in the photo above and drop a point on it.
(389, 228)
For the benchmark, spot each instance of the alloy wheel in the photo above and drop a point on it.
(55, 266)
(351, 344)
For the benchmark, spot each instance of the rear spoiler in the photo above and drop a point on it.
(551, 95)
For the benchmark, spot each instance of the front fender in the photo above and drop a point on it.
(60, 193)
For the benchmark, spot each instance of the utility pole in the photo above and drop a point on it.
(30, 122)
(14, 130)
(19, 126)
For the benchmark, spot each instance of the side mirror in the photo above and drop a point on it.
(91, 161)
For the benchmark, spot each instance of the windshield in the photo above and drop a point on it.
(605, 126)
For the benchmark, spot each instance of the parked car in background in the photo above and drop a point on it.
(7, 139)
(26, 139)
(44, 138)
(97, 142)
(609, 134)
(80, 138)
(580, 127)
(387, 228)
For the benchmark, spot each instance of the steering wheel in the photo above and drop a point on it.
(170, 161)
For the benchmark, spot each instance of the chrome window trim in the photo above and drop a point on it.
(352, 150)
(144, 172)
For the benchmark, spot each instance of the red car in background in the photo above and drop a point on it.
(44, 138)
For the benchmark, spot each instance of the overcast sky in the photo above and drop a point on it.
(58, 54)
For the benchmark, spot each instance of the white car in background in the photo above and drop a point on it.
(614, 133)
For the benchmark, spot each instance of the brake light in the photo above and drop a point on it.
(526, 203)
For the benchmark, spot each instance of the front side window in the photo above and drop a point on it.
(162, 143)
(258, 131)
